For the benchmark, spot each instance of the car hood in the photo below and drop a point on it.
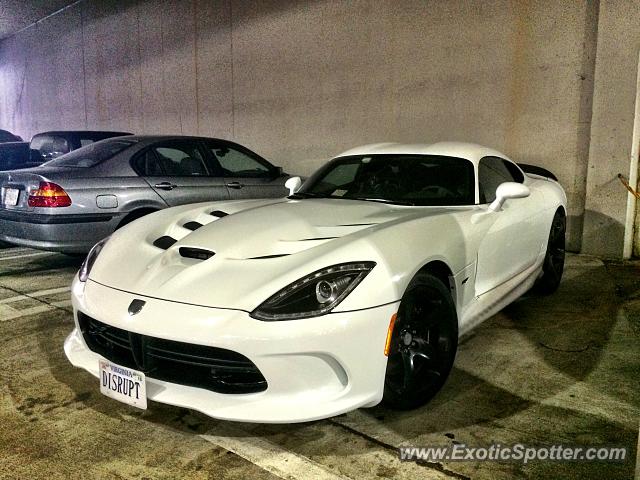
(257, 247)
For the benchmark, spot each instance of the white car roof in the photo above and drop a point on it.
(470, 151)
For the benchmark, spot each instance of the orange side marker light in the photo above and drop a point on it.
(387, 344)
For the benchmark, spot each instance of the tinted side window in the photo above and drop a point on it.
(516, 173)
(147, 165)
(180, 160)
(492, 171)
(236, 163)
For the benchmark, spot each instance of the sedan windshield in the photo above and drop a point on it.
(401, 179)
(90, 155)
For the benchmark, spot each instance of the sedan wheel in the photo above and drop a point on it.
(423, 344)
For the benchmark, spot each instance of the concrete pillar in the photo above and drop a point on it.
(612, 125)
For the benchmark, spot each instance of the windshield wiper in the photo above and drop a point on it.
(382, 200)
(299, 195)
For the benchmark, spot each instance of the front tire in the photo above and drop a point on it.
(423, 344)
(553, 265)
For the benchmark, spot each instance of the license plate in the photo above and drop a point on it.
(11, 196)
(123, 384)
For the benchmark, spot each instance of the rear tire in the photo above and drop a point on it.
(136, 214)
(423, 344)
(553, 264)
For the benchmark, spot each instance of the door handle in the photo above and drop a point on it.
(236, 185)
(165, 186)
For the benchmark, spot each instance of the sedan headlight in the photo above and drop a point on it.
(87, 265)
(315, 294)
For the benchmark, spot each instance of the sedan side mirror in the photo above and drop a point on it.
(508, 190)
(276, 172)
(293, 184)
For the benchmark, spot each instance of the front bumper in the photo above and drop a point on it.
(68, 233)
(315, 368)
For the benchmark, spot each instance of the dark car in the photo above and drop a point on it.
(15, 155)
(70, 203)
(46, 146)
(7, 136)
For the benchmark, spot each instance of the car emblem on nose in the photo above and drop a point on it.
(136, 306)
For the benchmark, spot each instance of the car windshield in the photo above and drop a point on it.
(91, 155)
(423, 180)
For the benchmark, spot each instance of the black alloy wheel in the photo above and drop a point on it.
(553, 265)
(423, 344)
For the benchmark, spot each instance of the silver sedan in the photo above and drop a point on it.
(72, 202)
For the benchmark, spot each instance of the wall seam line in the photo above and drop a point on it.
(233, 83)
(84, 70)
(195, 62)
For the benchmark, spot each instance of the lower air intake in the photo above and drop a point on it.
(210, 368)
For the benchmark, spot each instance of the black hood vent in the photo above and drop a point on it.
(164, 242)
(196, 253)
(219, 213)
(192, 226)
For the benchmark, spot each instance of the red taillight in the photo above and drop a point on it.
(49, 195)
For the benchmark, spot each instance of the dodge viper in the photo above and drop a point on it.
(352, 290)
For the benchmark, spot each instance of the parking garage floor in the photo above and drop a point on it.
(559, 369)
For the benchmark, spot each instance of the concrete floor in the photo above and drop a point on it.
(560, 369)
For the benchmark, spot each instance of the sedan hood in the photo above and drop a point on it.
(237, 254)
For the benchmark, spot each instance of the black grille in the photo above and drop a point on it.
(211, 368)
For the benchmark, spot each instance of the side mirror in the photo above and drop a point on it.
(276, 172)
(508, 190)
(293, 184)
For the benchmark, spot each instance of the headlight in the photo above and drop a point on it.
(87, 265)
(315, 294)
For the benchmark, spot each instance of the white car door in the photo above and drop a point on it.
(512, 241)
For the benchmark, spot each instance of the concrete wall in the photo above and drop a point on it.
(612, 126)
(300, 81)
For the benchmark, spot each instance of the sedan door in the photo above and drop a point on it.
(176, 170)
(246, 174)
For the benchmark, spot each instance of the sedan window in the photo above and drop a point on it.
(91, 155)
(147, 165)
(235, 163)
(180, 160)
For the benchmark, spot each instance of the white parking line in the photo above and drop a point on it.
(16, 257)
(269, 456)
(39, 293)
(10, 251)
(9, 313)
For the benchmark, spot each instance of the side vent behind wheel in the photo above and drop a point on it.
(164, 242)
(196, 253)
(218, 213)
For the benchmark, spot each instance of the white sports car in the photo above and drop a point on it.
(352, 290)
